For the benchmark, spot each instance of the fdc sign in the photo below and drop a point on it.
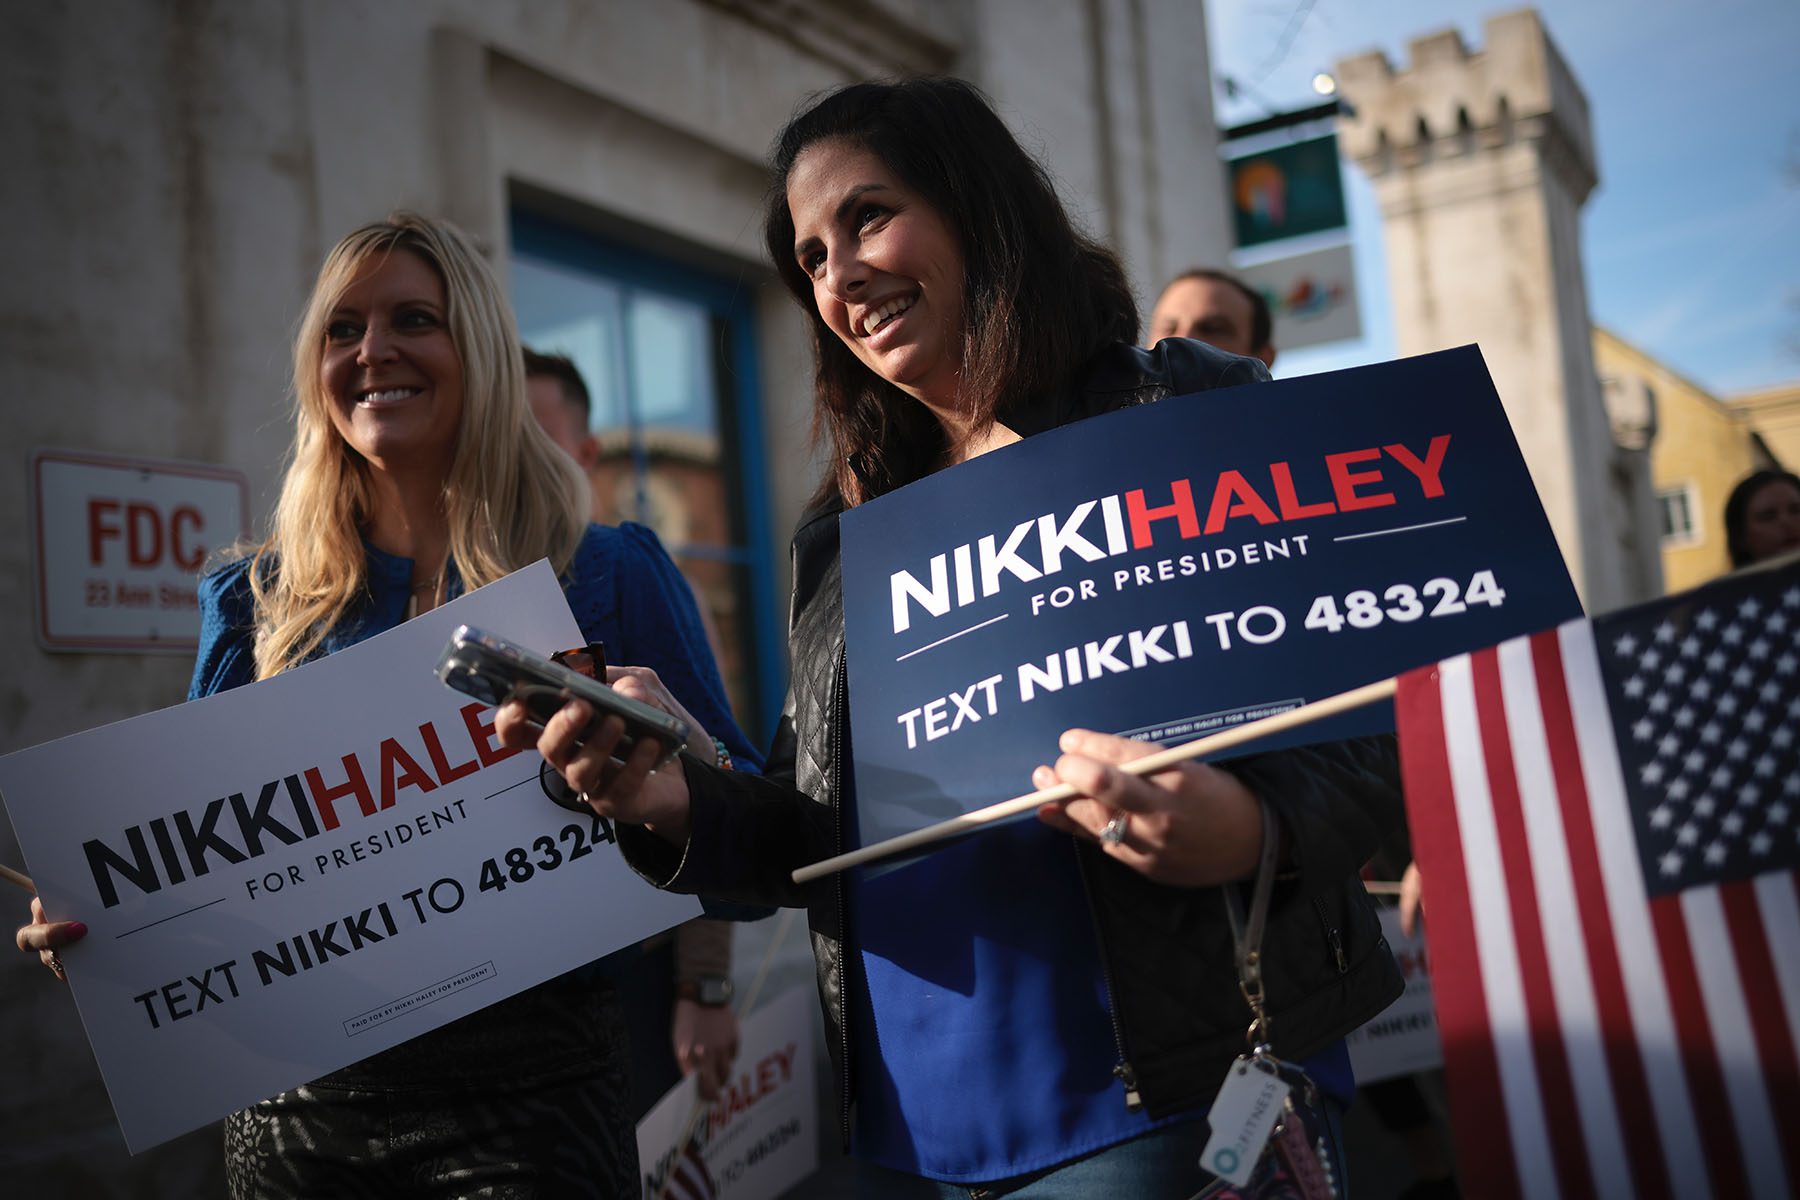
(119, 544)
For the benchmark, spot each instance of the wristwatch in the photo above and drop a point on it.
(708, 991)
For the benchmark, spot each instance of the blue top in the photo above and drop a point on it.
(621, 586)
(982, 962)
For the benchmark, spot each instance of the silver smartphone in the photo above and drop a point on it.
(493, 671)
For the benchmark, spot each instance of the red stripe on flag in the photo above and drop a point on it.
(1768, 1021)
(1562, 1114)
(1624, 1062)
(1699, 1056)
(1477, 1108)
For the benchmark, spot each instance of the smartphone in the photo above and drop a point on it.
(493, 671)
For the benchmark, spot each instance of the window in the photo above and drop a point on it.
(669, 356)
(1678, 506)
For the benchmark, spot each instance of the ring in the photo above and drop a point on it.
(56, 964)
(1114, 831)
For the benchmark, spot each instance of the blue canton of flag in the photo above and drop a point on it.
(1705, 694)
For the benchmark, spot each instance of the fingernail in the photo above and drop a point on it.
(1069, 740)
(78, 929)
(1043, 777)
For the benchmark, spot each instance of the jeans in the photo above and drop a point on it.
(1162, 1165)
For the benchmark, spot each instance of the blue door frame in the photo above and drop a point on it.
(731, 301)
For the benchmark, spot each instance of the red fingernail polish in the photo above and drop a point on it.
(77, 929)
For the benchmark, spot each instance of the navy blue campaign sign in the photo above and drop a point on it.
(1171, 570)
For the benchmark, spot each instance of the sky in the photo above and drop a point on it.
(1691, 240)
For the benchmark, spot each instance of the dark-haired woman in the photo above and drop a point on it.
(1762, 517)
(1050, 1008)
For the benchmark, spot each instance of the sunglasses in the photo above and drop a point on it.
(588, 660)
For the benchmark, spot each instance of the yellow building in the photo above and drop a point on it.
(1774, 413)
(1703, 446)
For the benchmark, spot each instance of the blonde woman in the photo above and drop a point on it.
(418, 472)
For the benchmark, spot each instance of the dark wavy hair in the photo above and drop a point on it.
(1737, 510)
(1039, 297)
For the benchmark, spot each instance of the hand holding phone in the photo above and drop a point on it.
(493, 670)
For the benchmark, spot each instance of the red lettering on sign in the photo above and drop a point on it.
(144, 534)
(482, 734)
(1181, 507)
(1234, 497)
(399, 769)
(325, 799)
(440, 762)
(1429, 470)
(99, 530)
(187, 555)
(1344, 481)
(1289, 500)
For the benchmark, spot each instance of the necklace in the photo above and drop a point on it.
(425, 587)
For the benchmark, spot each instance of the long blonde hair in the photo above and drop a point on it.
(511, 497)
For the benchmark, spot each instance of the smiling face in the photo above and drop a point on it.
(886, 270)
(391, 375)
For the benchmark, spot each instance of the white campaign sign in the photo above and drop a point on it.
(1403, 1038)
(761, 1136)
(289, 877)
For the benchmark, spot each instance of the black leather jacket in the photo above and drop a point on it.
(1178, 1015)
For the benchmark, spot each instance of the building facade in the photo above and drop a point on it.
(180, 169)
(1703, 446)
(1481, 161)
(1774, 414)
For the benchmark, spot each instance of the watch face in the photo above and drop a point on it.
(715, 991)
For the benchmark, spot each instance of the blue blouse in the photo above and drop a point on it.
(621, 586)
(981, 966)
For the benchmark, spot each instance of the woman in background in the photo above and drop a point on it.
(1762, 517)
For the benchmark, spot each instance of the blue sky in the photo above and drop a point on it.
(1692, 238)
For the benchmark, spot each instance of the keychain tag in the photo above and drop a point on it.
(1242, 1116)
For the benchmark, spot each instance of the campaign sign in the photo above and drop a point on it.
(1403, 1038)
(289, 877)
(1174, 569)
(761, 1136)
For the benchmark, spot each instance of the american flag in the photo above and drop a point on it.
(688, 1177)
(1607, 818)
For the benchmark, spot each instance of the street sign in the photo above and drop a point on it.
(119, 544)
(1286, 191)
(1311, 296)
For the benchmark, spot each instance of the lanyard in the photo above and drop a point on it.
(1247, 934)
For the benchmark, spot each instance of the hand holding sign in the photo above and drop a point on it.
(1189, 826)
(47, 937)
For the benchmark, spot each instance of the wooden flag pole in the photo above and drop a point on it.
(17, 878)
(1306, 714)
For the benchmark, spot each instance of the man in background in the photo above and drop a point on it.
(684, 976)
(1221, 310)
